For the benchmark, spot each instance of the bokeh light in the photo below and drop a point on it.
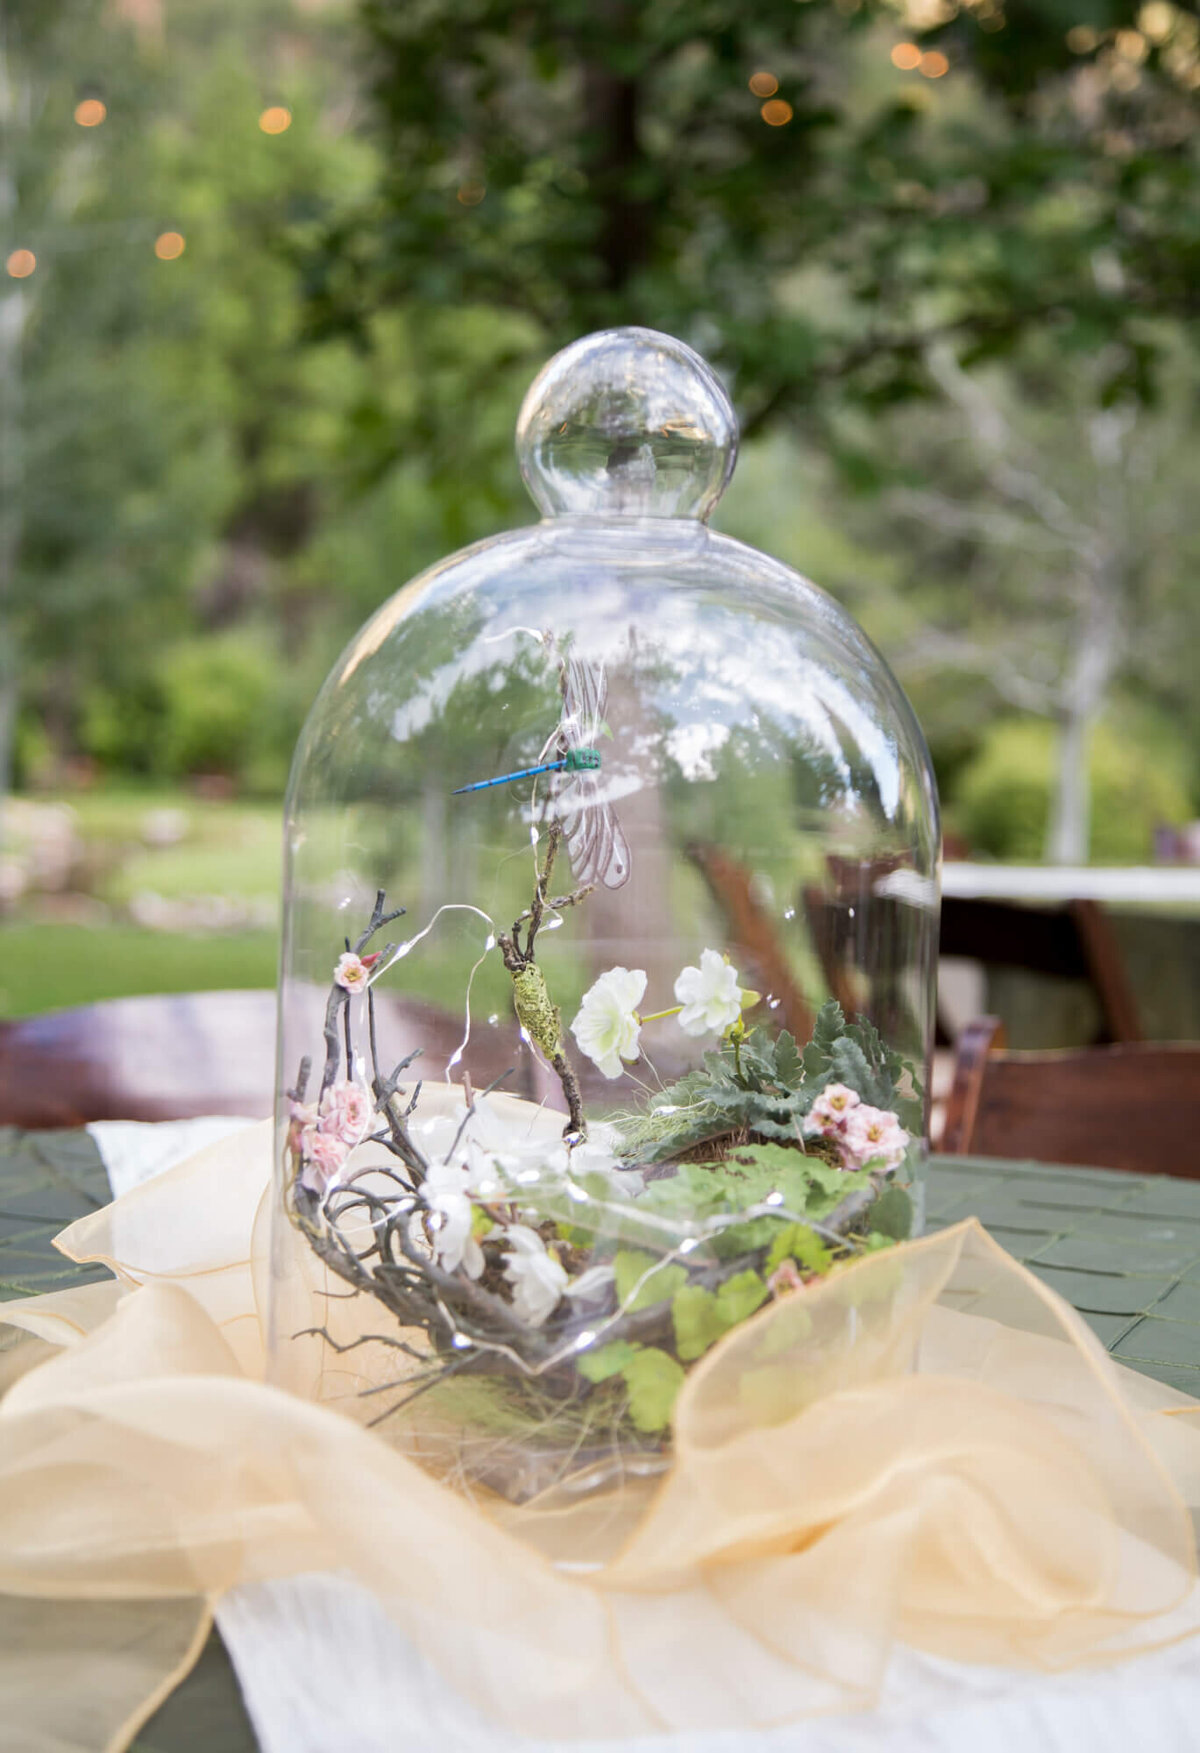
(169, 245)
(763, 84)
(776, 113)
(906, 56)
(90, 112)
(21, 264)
(933, 64)
(471, 193)
(275, 120)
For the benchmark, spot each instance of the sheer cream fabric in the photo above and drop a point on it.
(929, 1449)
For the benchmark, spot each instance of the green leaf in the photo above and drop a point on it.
(739, 1296)
(796, 1241)
(606, 1360)
(654, 1380)
(789, 1067)
(698, 1322)
(849, 1065)
(630, 1266)
(829, 1024)
(892, 1214)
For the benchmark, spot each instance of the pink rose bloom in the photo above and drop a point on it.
(873, 1137)
(301, 1115)
(831, 1110)
(352, 973)
(347, 1110)
(324, 1158)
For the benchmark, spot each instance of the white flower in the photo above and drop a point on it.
(592, 1283)
(711, 995)
(494, 1155)
(444, 1191)
(537, 1278)
(608, 1026)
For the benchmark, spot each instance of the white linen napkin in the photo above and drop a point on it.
(322, 1668)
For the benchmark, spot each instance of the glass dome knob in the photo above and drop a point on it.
(627, 423)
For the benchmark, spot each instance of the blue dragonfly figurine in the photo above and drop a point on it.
(596, 845)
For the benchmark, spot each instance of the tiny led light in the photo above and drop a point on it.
(933, 64)
(764, 84)
(169, 245)
(906, 56)
(90, 112)
(776, 113)
(20, 264)
(275, 120)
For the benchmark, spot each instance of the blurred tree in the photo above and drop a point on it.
(171, 443)
(769, 182)
(848, 206)
(1047, 549)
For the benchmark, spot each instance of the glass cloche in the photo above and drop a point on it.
(607, 992)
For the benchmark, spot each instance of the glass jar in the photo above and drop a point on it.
(610, 939)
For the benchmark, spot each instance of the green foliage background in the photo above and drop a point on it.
(215, 467)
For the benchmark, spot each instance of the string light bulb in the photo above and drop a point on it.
(20, 264)
(275, 120)
(90, 112)
(169, 245)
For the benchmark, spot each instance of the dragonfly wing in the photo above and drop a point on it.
(596, 844)
(585, 695)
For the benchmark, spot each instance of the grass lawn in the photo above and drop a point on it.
(46, 967)
(230, 850)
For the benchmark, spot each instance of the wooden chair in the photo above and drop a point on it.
(1074, 942)
(1132, 1106)
(169, 1058)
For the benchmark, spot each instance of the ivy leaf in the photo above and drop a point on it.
(892, 1214)
(739, 1296)
(654, 1380)
(606, 1360)
(630, 1266)
(697, 1319)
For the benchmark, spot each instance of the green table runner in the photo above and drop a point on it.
(1125, 1250)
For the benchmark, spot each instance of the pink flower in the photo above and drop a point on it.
(300, 1116)
(831, 1110)
(353, 972)
(785, 1279)
(873, 1138)
(347, 1110)
(324, 1158)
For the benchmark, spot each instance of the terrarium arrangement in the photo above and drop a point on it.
(647, 1054)
(572, 1282)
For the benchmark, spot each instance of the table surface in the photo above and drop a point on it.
(1124, 1249)
(1157, 884)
